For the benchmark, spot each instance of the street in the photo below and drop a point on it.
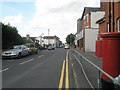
(73, 44)
(45, 70)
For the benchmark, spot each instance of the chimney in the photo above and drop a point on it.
(27, 36)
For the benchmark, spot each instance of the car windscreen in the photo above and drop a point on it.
(31, 45)
(17, 47)
(27, 45)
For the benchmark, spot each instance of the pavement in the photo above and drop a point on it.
(91, 56)
(91, 72)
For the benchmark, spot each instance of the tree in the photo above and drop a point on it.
(26, 41)
(70, 39)
(10, 36)
(37, 45)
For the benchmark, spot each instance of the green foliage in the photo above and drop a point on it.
(10, 36)
(27, 41)
(49, 44)
(37, 45)
(70, 39)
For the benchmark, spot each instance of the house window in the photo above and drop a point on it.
(85, 19)
(119, 25)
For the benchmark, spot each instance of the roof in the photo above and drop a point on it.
(79, 19)
(90, 9)
(32, 38)
(50, 37)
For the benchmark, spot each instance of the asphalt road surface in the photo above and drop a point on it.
(48, 69)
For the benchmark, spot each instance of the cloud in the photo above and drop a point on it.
(58, 16)
(16, 21)
(13, 20)
(16, 0)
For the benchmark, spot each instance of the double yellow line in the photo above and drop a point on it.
(67, 74)
(62, 74)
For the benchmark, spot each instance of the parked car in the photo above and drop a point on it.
(61, 46)
(67, 46)
(51, 48)
(32, 48)
(16, 52)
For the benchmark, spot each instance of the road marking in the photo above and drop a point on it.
(10, 60)
(62, 76)
(67, 73)
(75, 76)
(84, 72)
(65, 62)
(4, 70)
(72, 65)
(40, 56)
(26, 61)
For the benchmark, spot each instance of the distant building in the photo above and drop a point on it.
(46, 40)
(79, 34)
(53, 40)
(87, 29)
(30, 39)
(110, 22)
(40, 40)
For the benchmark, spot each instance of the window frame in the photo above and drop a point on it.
(118, 24)
(108, 27)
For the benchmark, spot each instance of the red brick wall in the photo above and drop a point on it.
(102, 27)
(104, 7)
(116, 14)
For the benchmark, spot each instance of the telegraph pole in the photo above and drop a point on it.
(48, 32)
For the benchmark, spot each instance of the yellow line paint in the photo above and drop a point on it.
(62, 76)
(67, 73)
(65, 62)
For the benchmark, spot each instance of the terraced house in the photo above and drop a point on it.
(87, 29)
(110, 22)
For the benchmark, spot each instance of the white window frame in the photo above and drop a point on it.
(118, 24)
(108, 27)
(87, 18)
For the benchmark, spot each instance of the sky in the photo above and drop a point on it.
(35, 17)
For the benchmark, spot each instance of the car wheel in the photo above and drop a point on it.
(19, 55)
(36, 52)
(28, 53)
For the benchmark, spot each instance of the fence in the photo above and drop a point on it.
(99, 70)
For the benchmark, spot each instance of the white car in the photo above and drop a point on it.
(16, 51)
(51, 48)
(67, 46)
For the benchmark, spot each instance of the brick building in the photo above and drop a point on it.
(111, 20)
(87, 29)
(79, 34)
